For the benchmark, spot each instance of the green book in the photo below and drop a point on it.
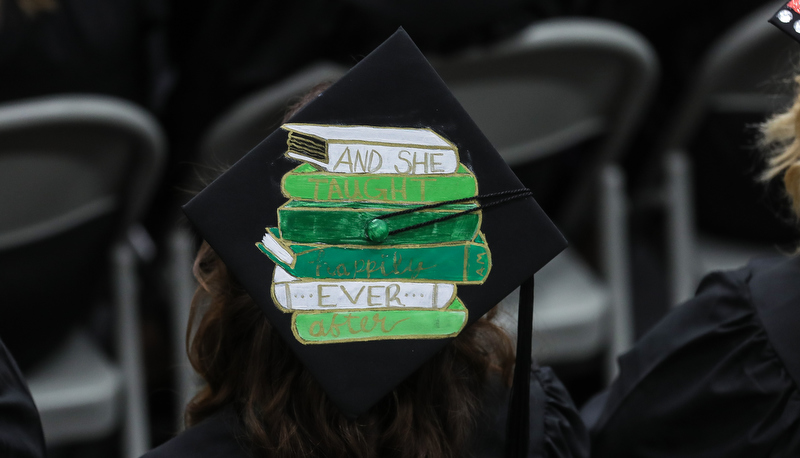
(308, 183)
(457, 262)
(351, 326)
(346, 222)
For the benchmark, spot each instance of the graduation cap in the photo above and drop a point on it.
(375, 225)
(787, 18)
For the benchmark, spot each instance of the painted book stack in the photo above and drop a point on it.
(336, 280)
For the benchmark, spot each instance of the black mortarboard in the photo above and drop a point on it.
(357, 229)
(787, 18)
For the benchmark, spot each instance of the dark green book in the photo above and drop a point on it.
(457, 262)
(346, 222)
(308, 183)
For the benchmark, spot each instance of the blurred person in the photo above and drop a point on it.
(719, 375)
(265, 395)
(683, 33)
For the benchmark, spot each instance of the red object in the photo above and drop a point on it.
(795, 5)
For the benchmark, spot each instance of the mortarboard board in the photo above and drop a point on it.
(787, 18)
(357, 226)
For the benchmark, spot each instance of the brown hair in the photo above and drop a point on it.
(303, 100)
(780, 141)
(285, 413)
(33, 8)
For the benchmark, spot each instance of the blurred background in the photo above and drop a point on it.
(634, 123)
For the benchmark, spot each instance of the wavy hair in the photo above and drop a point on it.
(781, 144)
(285, 413)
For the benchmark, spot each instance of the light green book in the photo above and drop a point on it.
(346, 222)
(308, 183)
(352, 326)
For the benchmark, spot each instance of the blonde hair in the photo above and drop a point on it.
(780, 141)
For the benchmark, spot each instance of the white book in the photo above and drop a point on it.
(374, 150)
(292, 293)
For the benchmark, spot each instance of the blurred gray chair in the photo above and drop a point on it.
(555, 85)
(733, 80)
(77, 172)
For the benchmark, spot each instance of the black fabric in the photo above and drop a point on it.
(20, 429)
(218, 436)
(715, 377)
(556, 429)
(563, 434)
(778, 309)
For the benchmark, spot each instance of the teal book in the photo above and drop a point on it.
(346, 222)
(308, 183)
(458, 262)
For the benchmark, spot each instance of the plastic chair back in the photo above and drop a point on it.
(77, 170)
(558, 84)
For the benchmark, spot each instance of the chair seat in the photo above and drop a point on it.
(76, 391)
(570, 314)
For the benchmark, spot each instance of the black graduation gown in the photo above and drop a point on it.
(718, 377)
(20, 429)
(556, 428)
